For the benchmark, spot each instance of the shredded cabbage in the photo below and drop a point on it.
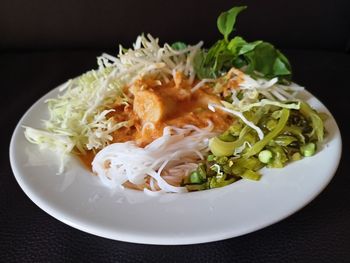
(60, 142)
(80, 114)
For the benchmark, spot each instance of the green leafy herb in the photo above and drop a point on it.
(266, 60)
(257, 58)
(227, 20)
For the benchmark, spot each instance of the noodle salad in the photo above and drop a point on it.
(178, 118)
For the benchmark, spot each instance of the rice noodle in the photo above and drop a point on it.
(175, 153)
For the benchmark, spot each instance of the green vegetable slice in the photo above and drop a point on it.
(222, 148)
(317, 123)
(251, 175)
(261, 144)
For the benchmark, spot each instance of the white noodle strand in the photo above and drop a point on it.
(122, 162)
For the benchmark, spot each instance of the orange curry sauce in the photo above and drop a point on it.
(157, 105)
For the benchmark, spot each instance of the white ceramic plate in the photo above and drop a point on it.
(78, 199)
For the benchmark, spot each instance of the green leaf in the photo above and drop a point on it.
(239, 62)
(279, 68)
(178, 45)
(249, 47)
(212, 61)
(236, 44)
(227, 20)
(214, 52)
(198, 64)
(285, 61)
(268, 61)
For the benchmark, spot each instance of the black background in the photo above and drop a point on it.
(42, 24)
(43, 43)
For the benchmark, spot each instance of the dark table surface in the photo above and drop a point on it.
(320, 232)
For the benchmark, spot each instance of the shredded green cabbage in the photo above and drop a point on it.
(79, 117)
(60, 142)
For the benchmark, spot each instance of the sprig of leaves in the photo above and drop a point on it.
(227, 20)
(258, 58)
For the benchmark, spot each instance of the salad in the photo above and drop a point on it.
(177, 118)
